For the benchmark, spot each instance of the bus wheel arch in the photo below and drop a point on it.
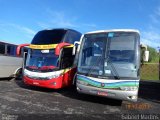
(18, 73)
(74, 80)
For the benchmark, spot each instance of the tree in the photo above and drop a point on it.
(153, 54)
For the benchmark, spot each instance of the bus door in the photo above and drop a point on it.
(66, 63)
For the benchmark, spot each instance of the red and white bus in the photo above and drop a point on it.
(49, 60)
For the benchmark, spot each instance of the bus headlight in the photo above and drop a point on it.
(55, 75)
(129, 88)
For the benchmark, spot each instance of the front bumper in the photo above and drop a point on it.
(54, 83)
(109, 93)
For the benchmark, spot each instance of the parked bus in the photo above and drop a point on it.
(109, 64)
(49, 60)
(10, 64)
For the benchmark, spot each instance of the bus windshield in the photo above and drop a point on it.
(109, 55)
(49, 37)
(42, 60)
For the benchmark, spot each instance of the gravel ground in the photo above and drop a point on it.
(21, 102)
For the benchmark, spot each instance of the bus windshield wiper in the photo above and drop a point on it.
(116, 76)
(114, 69)
(94, 65)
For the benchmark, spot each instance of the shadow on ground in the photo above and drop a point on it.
(150, 91)
(72, 93)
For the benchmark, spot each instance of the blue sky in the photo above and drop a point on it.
(20, 20)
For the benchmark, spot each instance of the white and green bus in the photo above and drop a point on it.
(109, 64)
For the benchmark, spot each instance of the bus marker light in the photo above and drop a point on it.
(45, 51)
(102, 84)
(54, 83)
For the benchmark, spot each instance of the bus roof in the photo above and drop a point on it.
(114, 30)
(67, 29)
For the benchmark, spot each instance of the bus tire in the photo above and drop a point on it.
(18, 74)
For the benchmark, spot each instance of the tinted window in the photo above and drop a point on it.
(11, 50)
(38, 60)
(48, 37)
(67, 58)
(72, 37)
(2, 48)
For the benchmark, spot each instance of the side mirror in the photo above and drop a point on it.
(74, 47)
(146, 56)
(59, 47)
(18, 51)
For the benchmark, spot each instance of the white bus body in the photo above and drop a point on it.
(9, 62)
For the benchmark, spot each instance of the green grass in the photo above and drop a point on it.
(154, 60)
(150, 72)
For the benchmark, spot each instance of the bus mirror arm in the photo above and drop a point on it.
(74, 47)
(59, 47)
(18, 51)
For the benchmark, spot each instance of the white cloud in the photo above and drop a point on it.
(62, 19)
(43, 25)
(23, 29)
(151, 36)
(155, 17)
(11, 26)
(14, 32)
(89, 25)
(157, 12)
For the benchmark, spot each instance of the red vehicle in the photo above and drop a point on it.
(49, 60)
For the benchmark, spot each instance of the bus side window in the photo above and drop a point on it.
(72, 37)
(2, 48)
(67, 58)
(11, 50)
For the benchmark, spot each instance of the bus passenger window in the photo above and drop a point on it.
(72, 37)
(2, 48)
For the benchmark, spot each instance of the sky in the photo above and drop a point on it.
(20, 20)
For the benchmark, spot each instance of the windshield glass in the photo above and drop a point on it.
(49, 37)
(42, 60)
(92, 54)
(109, 55)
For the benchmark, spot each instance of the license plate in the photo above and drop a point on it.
(102, 93)
(35, 83)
